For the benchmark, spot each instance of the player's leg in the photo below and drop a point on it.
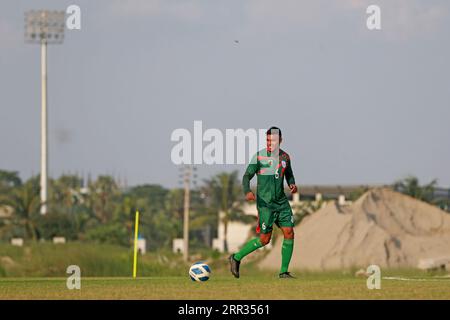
(265, 222)
(287, 248)
(286, 223)
(248, 248)
(264, 238)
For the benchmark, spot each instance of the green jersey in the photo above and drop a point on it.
(271, 173)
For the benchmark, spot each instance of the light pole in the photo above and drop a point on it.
(44, 27)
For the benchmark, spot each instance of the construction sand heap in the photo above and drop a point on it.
(382, 227)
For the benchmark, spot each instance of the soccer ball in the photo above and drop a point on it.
(199, 271)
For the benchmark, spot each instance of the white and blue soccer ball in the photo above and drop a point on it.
(199, 271)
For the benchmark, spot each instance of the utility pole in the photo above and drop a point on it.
(189, 176)
(44, 27)
(187, 184)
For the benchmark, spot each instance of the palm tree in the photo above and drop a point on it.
(174, 207)
(102, 194)
(65, 193)
(9, 179)
(25, 202)
(66, 198)
(224, 194)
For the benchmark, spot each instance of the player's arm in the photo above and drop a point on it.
(290, 179)
(250, 172)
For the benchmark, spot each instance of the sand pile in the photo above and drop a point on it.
(382, 227)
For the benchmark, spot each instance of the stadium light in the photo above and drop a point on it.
(44, 27)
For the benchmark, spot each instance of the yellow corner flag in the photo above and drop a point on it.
(136, 226)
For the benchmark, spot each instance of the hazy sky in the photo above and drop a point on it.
(355, 106)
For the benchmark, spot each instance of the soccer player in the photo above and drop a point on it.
(271, 165)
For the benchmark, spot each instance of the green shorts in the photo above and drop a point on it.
(280, 215)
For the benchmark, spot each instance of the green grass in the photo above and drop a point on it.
(38, 271)
(260, 286)
(50, 260)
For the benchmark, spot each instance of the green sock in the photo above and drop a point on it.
(249, 247)
(286, 254)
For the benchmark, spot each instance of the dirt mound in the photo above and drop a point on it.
(382, 227)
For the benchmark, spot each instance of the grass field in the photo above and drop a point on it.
(38, 271)
(260, 286)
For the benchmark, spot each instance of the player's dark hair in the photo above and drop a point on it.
(274, 130)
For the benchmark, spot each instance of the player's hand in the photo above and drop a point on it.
(293, 188)
(250, 196)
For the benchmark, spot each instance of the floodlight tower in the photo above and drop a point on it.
(44, 27)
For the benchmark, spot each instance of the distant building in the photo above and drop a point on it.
(142, 245)
(178, 245)
(59, 240)
(18, 242)
(6, 212)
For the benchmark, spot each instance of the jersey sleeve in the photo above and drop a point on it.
(252, 168)
(289, 174)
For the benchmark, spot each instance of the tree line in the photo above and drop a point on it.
(101, 211)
